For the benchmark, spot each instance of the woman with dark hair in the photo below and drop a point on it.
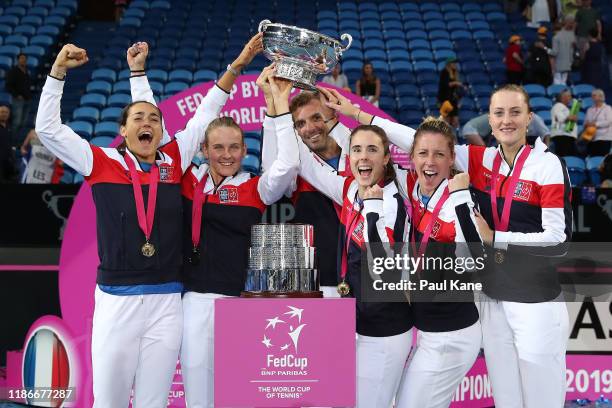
(450, 87)
(368, 86)
(138, 319)
(523, 193)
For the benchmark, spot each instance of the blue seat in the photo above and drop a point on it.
(141, 4)
(119, 100)
(111, 114)
(110, 129)
(41, 40)
(540, 103)
(398, 55)
(441, 44)
(554, 89)
(375, 53)
(470, 7)
(422, 55)
(496, 16)
(479, 25)
(416, 34)
(251, 164)
(101, 87)
(65, 8)
(432, 16)
(425, 66)
(204, 75)
(161, 63)
(427, 77)
(443, 55)
(374, 44)
(474, 15)
(86, 113)
(34, 51)
(82, 128)
(6, 62)
(388, 6)
(439, 34)
(454, 16)
(161, 4)
(323, 14)
(184, 63)
(11, 21)
(405, 7)
(449, 7)
(535, 90)
(104, 74)
(411, 117)
(576, 167)
(461, 35)
(392, 25)
(102, 141)
(435, 25)
(5, 30)
(402, 77)
(181, 75)
(425, 7)
(482, 34)
(93, 99)
(134, 12)
(582, 90)
(50, 30)
(15, 11)
(592, 166)
(16, 39)
(400, 66)
(481, 90)
(158, 75)
(9, 50)
(22, 3)
(25, 30)
(175, 87)
(253, 146)
(122, 86)
(545, 115)
(57, 21)
(157, 87)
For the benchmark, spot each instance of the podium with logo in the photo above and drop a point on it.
(284, 352)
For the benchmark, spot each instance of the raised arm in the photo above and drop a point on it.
(269, 149)
(62, 141)
(283, 170)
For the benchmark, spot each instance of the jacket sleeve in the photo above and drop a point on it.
(141, 91)
(282, 171)
(400, 135)
(61, 140)
(314, 172)
(467, 238)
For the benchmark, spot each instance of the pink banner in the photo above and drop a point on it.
(284, 352)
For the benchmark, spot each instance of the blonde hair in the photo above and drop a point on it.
(223, 121)
(439, 126)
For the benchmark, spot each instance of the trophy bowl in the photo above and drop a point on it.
(301, 54)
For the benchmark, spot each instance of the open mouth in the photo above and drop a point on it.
(365, 171)
(430, 174)
(145, 137)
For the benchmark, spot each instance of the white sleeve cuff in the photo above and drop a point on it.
(460, 197)
(501, 239)
(373, 205)
(54, 86)
(283, 121)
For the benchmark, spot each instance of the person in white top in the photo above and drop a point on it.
(337, 78)
(564, 141)
(599, 118)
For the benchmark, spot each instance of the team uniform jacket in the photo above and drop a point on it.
(119, 237)
(229, 211)
(380, 221)
(540, 215)
(455, 224)
(312, 207)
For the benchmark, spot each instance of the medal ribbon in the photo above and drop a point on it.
(145, 219)
(502, 224)
(196, 211)
(351, 229)
(429, 228)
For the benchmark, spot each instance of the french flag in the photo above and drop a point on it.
(46, 366)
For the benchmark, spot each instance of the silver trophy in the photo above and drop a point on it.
(301, 54)
(282, 262)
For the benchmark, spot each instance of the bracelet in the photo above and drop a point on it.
(358, 113)
(330, 119)
(232, 70)
(137, 71)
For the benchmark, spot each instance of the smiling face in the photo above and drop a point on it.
(368, 158)
(224, 148)
(142, 130)
(509, 117)
(598, 97)
(433, 159)
(310, 125)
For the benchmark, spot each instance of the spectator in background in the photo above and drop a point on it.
(477, 131)
(570, 7)
(450, 87)
(42, 165)
(539, 70)
(605, 169)
(448, 114)
(564, 140)
(368, 86)
(337, 78)
(587, 19)
(18, 84)
(598, 125)
(120, 6)
(7, 161)
(594, 68)
(514, 61)
(564, 43)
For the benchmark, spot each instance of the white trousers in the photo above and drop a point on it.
(438, 363)
(135, 340)
(560, 78)
(524, 345)
(380, 363)
(329, 291)
(197, 350)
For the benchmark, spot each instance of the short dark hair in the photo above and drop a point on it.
(380, 132)
(20, 54)
(126, 111)
(303, 99)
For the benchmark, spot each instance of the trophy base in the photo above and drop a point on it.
(301, 75)
(285, 295)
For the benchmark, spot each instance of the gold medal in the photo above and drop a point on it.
(148, 249)
(499, 257)
(343, 288)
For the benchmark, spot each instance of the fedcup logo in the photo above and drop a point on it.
(281, 339)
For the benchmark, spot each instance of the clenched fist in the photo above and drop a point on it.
(69, 57)
(461, 181)
(373, 192)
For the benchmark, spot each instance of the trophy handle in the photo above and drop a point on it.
(344, 37)
(262, 25)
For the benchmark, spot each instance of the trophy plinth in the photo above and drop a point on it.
(282, 262)
(300, 54)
